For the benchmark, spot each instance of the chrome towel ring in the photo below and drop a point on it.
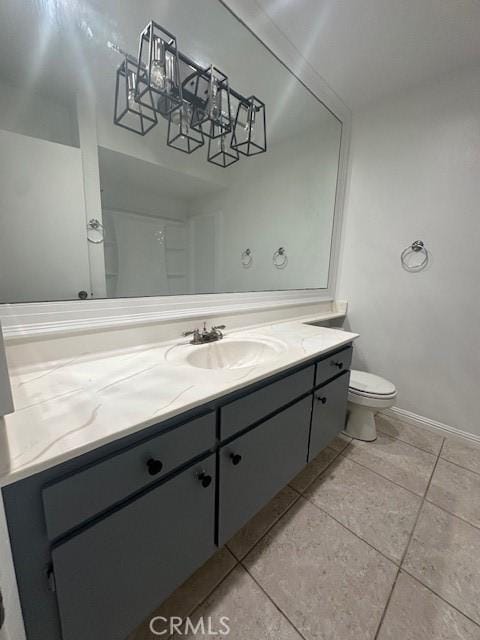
(417, 247)
(280, 258)
(246, 258)
(97, 227)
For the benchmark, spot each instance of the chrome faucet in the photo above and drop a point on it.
(204, 336)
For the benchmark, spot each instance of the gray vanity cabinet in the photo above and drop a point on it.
(111, 575)
(100, 541)
(329, 411)
(256, 465)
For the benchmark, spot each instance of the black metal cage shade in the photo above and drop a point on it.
(180, 135)
(129, 113)
(249, 135)
(209, 93)
(158, 71)
(220, 153)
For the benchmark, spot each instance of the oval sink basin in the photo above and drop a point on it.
(233, 353)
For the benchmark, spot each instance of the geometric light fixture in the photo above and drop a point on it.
(158, 70)
(221, 153)
(129, 114)
(196, 101)
(249, 129)
(181, 135)
(211, 111)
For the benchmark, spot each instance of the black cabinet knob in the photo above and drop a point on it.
(337, 363)
(236, 458)
(154, 466)
(205, 479)
(322, 399)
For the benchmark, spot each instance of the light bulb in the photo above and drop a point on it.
(132, 103)
(214, 107)
(181, 117)
(250, 123)
(157, 75)
(131, 96)
(158, 71)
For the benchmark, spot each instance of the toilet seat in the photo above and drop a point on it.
(368, 385)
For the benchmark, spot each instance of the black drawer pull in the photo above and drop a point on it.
(236, 458)
(154, 466)
(337, 363)
(205, 479)
(322, 399)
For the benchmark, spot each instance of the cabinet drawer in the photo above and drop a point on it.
(255, 466)
(333, 365)
(112, 575)
(244, 412)
(329, 412)
(75, 499)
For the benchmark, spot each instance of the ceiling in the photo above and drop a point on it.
(369, 49)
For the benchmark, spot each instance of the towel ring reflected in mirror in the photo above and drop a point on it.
(416, 248)
(247, 258)
(97, 227)
(280, 258)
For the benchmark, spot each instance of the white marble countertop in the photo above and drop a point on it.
(67, 407)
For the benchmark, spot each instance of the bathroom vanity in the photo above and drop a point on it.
(100, 539)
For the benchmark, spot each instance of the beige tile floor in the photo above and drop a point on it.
(372, 541)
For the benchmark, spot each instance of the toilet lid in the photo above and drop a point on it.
(368, 383)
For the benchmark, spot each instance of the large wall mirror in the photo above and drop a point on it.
(91, 209)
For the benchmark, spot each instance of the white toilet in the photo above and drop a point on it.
(367, 395)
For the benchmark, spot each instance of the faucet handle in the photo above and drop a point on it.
(190, 333)
(217, 331)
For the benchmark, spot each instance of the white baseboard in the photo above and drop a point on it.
(428, 423)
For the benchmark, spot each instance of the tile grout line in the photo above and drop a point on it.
(270, 598)
(203, 600)
(460, 466)
(454, 515)
(395, 562)
(440, 597)
(433, 453)
(270, 527)
(420, 509)
(360, 464)
(334, 459)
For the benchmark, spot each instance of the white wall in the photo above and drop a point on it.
(43, 244)
(125, 196)
(286, 198)
(415, 174)
(32, 114)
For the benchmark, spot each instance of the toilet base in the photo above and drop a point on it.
(361, 423)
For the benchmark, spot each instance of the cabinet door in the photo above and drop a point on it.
(255, 466)
(329, 412)
(113, 574)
